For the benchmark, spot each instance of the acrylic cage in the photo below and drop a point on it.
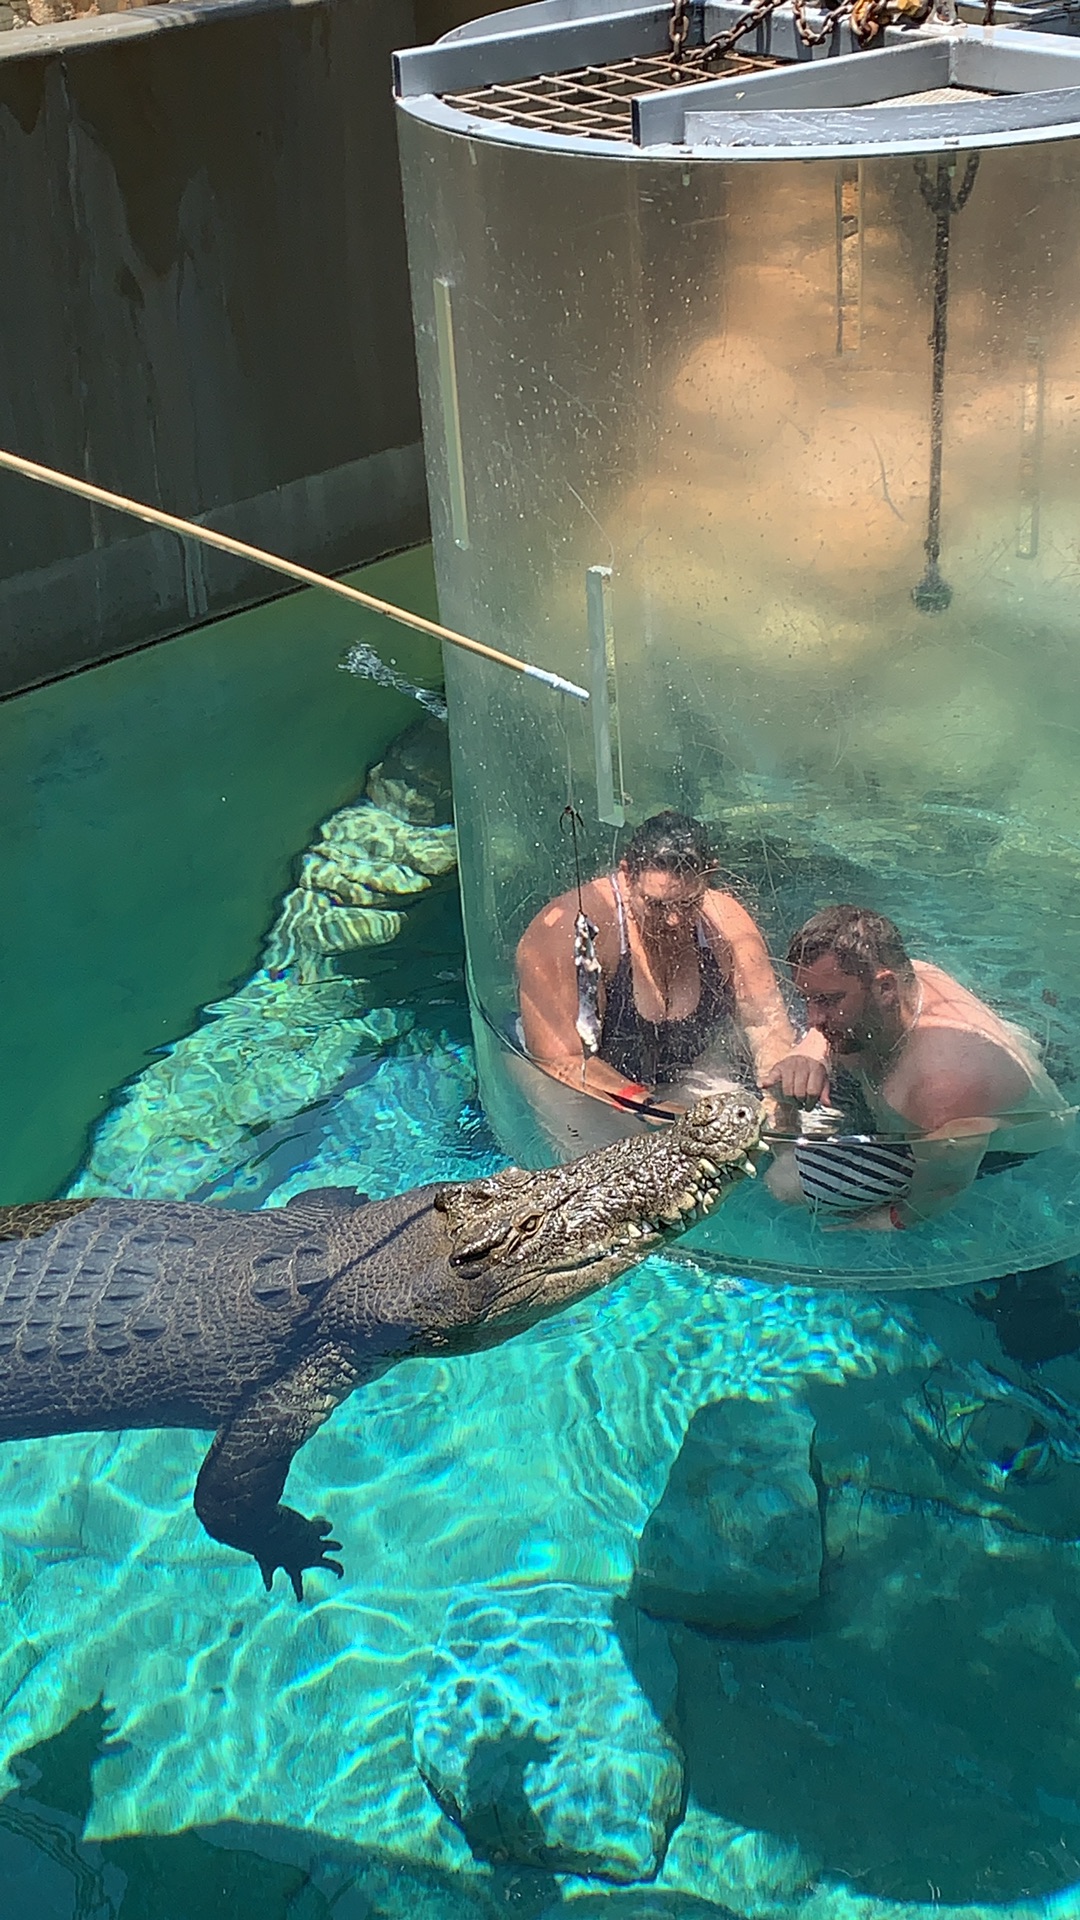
(719, 423)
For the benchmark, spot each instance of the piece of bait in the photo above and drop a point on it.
(587, 970)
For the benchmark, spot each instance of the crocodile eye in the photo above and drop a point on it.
(530, 1224)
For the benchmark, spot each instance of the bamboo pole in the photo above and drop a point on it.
(189, 530)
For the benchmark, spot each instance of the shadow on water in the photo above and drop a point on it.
(230, 1872)
(496, 1801)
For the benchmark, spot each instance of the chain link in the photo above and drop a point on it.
(678, 30)
(938, 194)
(867, 19)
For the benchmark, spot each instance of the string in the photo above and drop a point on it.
(586, 965)
(570, 817)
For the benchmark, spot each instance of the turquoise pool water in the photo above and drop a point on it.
(708, 1596)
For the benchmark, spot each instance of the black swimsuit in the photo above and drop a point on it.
(656, 1053)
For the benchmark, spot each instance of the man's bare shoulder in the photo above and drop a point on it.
(952, 1072)
(947, 1004)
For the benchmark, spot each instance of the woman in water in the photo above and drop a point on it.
(681, 981)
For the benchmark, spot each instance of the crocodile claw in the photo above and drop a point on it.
(296, 1545)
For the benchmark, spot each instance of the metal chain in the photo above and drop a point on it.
(723, 43)
(938, 194)
(867, 18)
(678, 30)
(762, 11)
(834, 17)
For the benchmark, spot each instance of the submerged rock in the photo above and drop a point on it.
(370, 861)
(413, 778)
(363, 868)
(535, 1739)
(960, 1440)
(290, 1035)
(259, 1057)
(736, 1538)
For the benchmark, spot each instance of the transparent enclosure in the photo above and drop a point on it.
(720, 381)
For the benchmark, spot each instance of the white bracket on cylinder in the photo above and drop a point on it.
(604, 698)
(451, 412)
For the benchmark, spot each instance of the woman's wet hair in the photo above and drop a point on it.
(669, 843)
(861, 942)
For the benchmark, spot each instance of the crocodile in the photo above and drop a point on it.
(138, 1313)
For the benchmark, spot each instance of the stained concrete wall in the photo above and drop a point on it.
(204, 304)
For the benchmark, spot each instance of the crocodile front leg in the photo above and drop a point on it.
(238, 1492)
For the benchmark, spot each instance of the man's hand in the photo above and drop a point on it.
(878, 1220)
(801, 1077)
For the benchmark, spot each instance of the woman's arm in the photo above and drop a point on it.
(758, 999)
(548, 997)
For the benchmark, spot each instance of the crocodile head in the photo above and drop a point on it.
(525, 1243)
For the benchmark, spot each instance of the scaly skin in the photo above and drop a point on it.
(132, 1313)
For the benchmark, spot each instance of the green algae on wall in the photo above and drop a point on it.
(152, 809)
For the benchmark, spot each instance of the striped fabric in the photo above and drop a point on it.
(851, 1175)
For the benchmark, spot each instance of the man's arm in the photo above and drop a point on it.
(801, 1074)
(954, 1088)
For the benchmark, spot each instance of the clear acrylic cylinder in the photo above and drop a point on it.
(711, 377)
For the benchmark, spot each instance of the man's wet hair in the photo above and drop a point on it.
(861, 942)
(670, 843)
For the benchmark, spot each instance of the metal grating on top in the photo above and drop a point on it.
(595, 101)
(936, 96)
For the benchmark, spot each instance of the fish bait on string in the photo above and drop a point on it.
(587, 970)
(586, 965)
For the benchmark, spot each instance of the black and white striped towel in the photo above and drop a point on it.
(848, 1176)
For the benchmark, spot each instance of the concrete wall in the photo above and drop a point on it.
(204, 304)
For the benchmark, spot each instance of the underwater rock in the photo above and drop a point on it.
(363, 865)
(739, 1869)
(640, 1903)
(288, 1037)
(370, 860)
(736, 1538)
(413, 777)
(260, 1056)
(535, 1739)
(416, 1109)
(376, 1883)
(1034, 1314)
(961, 1441)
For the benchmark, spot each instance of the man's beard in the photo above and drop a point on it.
(856, 1039)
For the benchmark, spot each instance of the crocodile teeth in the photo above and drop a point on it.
(633, 1231)
(708, 1166)
(748, 1166)
(686, 1200)
(708, 1202)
